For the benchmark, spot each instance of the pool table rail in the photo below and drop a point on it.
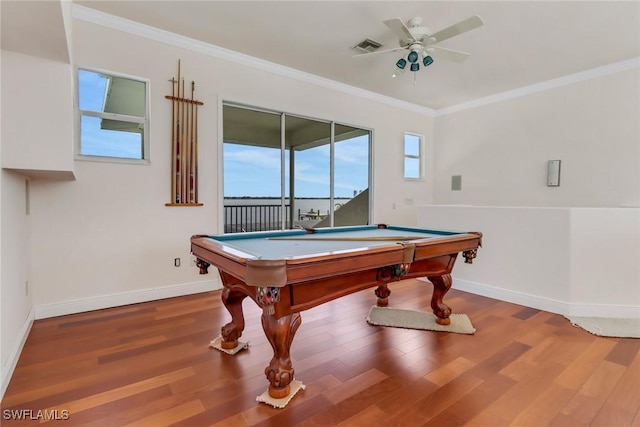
(256, 271)
(285, 287)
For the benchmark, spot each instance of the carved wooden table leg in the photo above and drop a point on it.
(441, 285)
(382, 292)
(203, 266)
(280, 333)
(232, 331)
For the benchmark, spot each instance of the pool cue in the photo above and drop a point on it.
(191, 162)
(183, 182)
(178, 196)
(191, 146)
(348, 239)
(195, 161)
(172, 198)
(187, 150)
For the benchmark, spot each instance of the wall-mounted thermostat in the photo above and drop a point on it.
(553, 173)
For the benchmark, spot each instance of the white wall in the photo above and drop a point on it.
(535, 253)
(107, 237)
(501, 149)
(37, 131)
(572, 261)
(514, 257)
(3, 375)
(15, 303)
(605, 257)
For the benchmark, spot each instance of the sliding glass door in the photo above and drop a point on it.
(252, 170)
(309, 144)
(351, 175)
(284, 171)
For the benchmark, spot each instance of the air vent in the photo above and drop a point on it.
(367, 46)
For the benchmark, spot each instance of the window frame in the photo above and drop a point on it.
(419, 157)
(79, 113)
(284, 163)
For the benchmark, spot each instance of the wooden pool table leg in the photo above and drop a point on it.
(382, 292)
(441, 285)
(280, 333)
(232, 331)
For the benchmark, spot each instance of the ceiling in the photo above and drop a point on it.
(521, 43)
(34, 28)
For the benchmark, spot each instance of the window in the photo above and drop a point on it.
(284, 171)
(113, 117)
(412, 156)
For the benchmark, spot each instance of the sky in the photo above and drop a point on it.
(256, 171)
(96, 141)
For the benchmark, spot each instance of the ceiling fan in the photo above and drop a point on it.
(420, 42)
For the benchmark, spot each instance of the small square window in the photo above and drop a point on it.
(113, 117)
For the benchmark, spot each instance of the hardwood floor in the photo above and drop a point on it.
(149, 365)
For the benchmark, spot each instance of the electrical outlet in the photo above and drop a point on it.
(176, 262)
(193, 261)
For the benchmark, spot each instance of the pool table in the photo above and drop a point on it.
(286, 272)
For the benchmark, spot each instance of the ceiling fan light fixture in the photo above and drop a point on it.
(416, 40)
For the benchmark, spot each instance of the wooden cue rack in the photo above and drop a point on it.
(184, 144)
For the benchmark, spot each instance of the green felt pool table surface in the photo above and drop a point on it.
(293, 244)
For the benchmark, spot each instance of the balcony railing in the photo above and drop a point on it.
(265, 214)
(241, 218)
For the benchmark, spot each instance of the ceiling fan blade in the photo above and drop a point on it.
(379, 51)
(459, 28)
(446, 54)
(399, 29)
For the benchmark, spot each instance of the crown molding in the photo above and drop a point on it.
(100, 18)
(569, 79)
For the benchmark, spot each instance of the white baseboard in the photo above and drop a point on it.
(565, 308)
(12, 361)
(43, 311)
